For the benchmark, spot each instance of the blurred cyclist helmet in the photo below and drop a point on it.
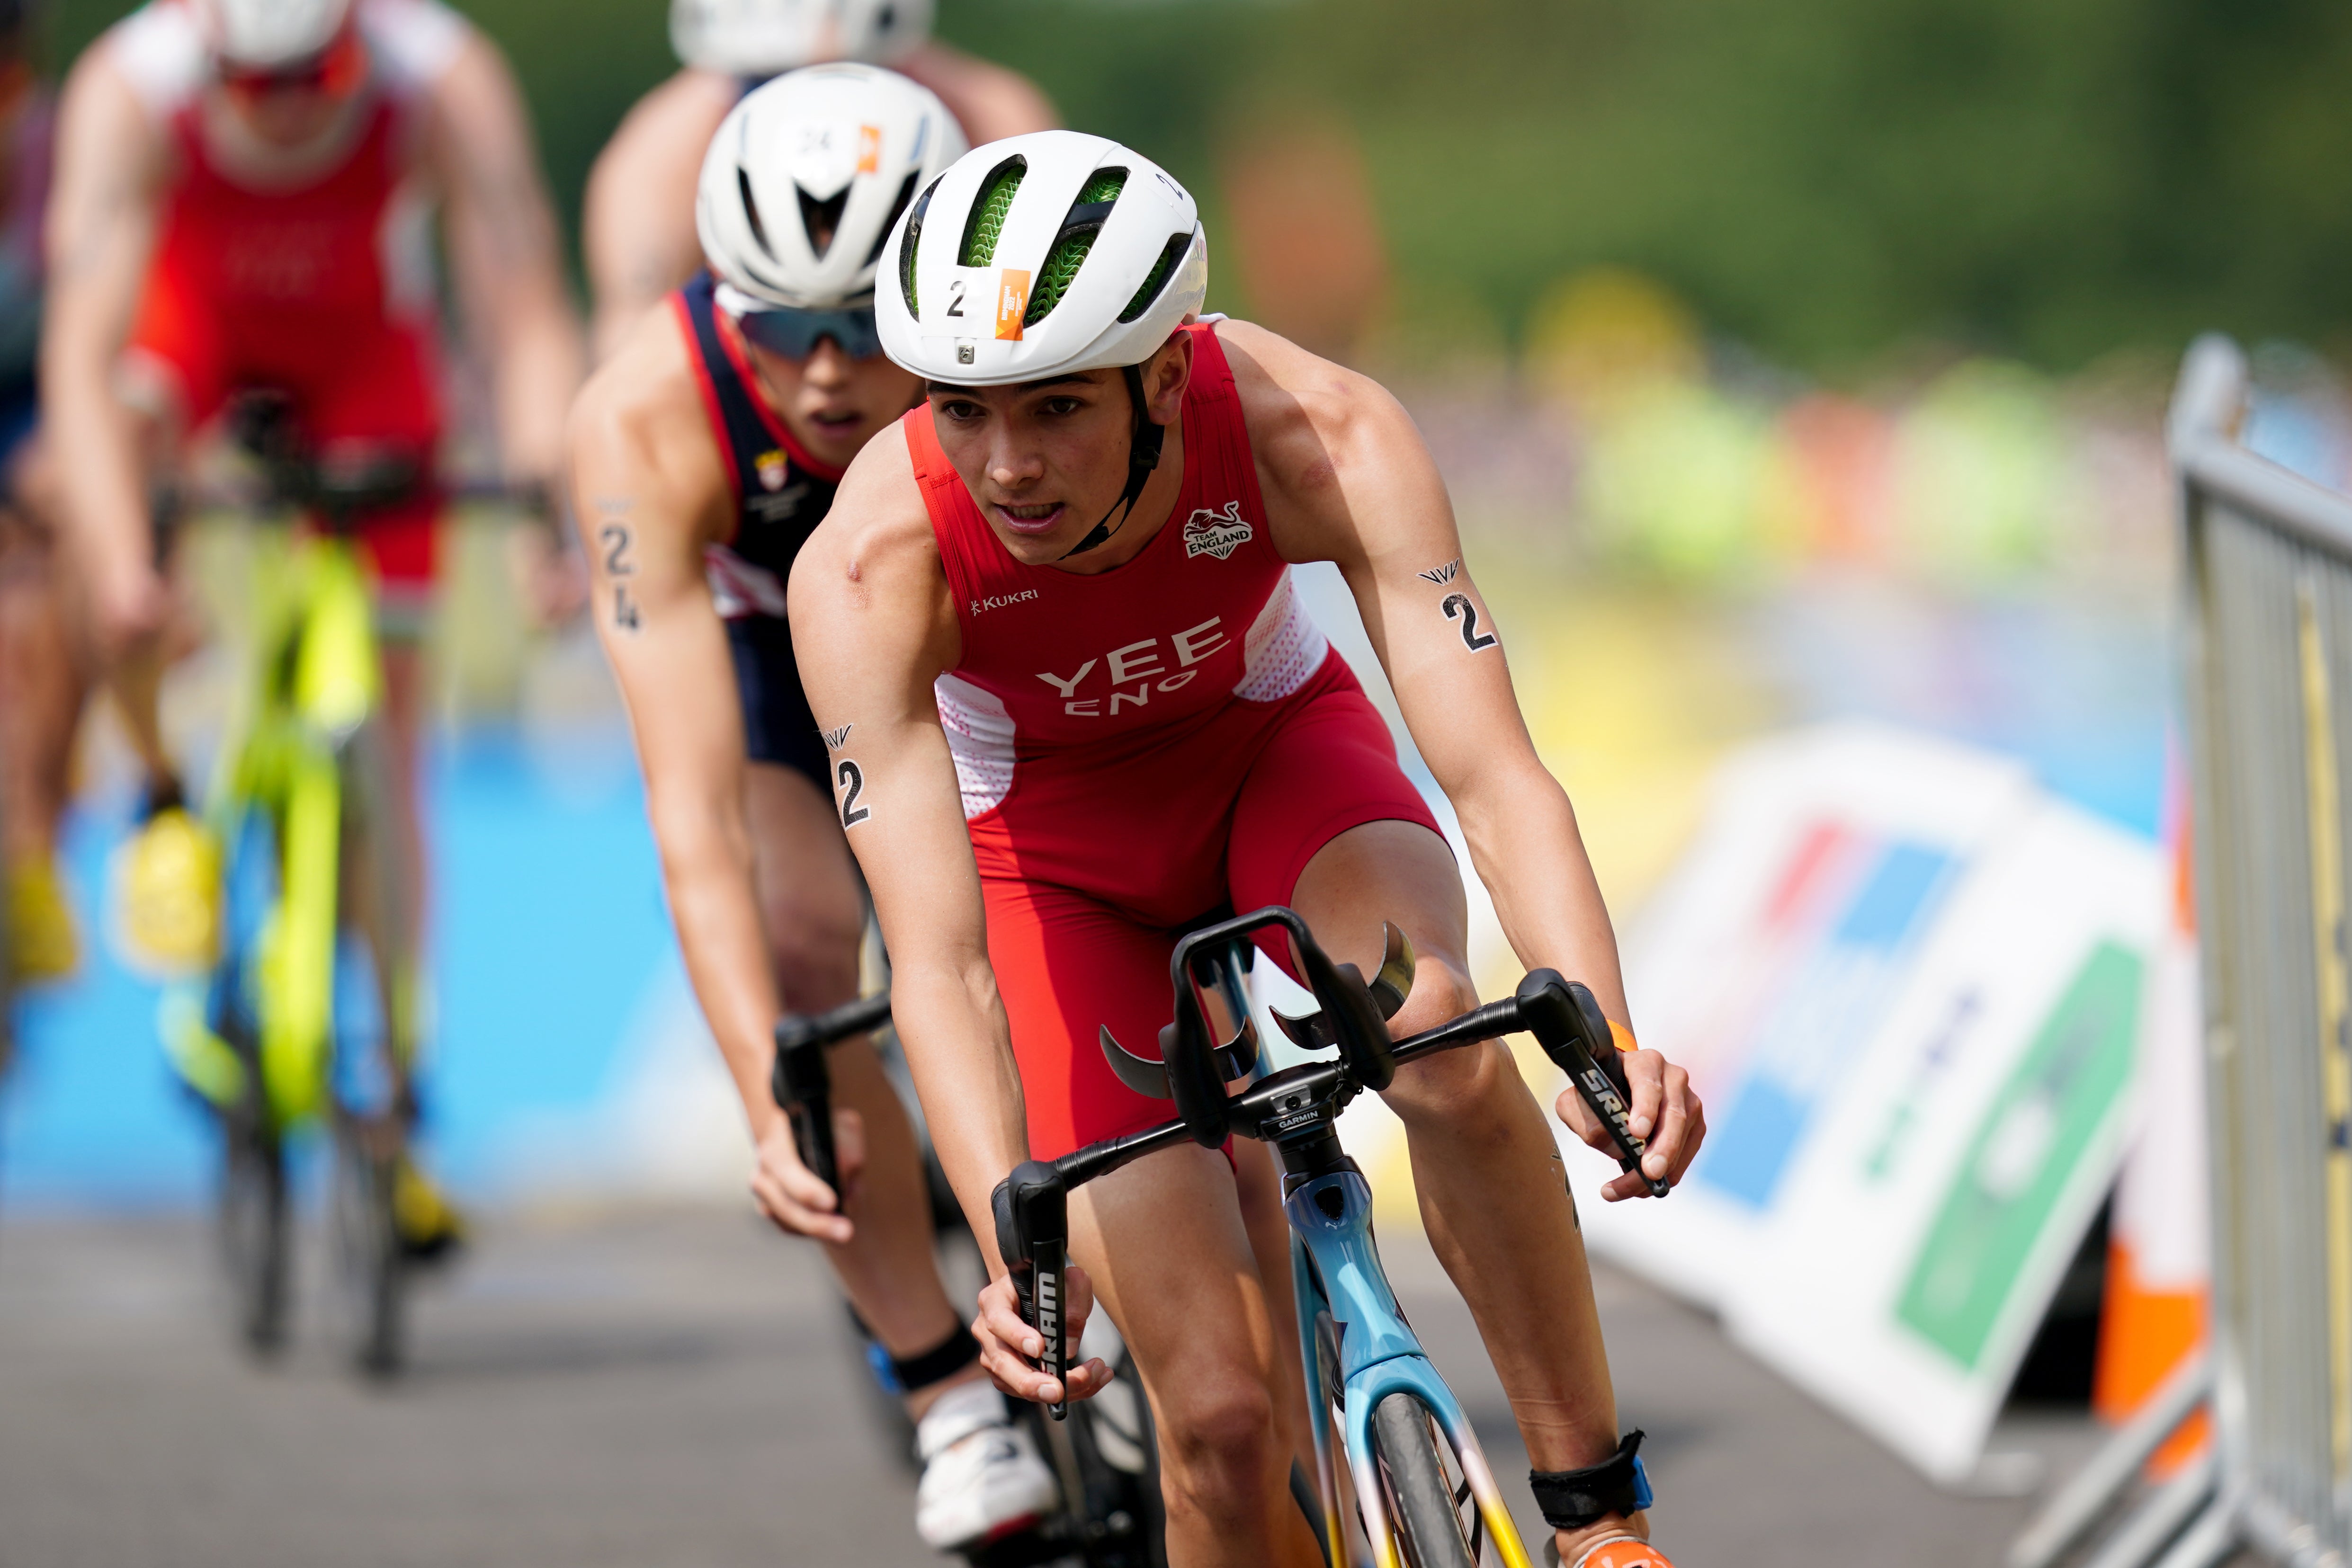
(264, 34)
(881, 29)
(807, 176)
(759, 38)
(1037, 255)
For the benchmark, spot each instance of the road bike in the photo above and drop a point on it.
(308, 1015)
(1107, 1461)
(1414, 1483)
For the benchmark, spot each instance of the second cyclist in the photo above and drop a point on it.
(703, 453)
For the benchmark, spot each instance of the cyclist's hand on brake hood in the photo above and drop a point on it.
(1666, 1115)
(790, 1193)
(1009, 1347)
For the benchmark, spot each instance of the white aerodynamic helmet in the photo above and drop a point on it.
(1040, 255)
(263, 34)
(759, 38)
(807, 176)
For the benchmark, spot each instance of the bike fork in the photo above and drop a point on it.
(1412, 1374)
(1355, 1344)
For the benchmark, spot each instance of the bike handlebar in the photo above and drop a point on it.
(340, 501)
(1031, 1203)
(803, 1083)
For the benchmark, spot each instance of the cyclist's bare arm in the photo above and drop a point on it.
(648, 492)
(636, 223)
(989, 100)
(506, 253)
(873, 626)
(105, 209)
(1346, 479)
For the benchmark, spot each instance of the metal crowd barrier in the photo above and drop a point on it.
(2267, 673)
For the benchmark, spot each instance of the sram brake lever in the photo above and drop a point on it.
(1569, 1024)
(1032, 1209)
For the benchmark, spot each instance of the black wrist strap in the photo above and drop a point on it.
(945, 1359)
(1570, 1500)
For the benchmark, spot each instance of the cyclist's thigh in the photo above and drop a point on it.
(778, 727)
(1067, 965)
(1404, 875)
(1170, 1260)
(379, 385)
(381, 390)
(1325, 817)
(812, 907)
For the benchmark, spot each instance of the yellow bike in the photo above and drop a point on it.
(308, 1015)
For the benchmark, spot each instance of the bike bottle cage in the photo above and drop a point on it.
(1142, 456)
(943, 1360)
(1570, 1500)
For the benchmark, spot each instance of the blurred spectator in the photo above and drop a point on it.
(43, 669)
(1307, 242)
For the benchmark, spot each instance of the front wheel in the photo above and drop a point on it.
(1428, 1529)
(1117, 1455)
(253, 1230)
(369, 1263)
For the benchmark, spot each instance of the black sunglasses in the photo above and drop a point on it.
(796, 333)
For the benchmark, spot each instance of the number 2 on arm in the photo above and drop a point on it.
(854, 781)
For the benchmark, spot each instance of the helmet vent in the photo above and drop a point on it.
(1162, 270)
(822, 219)
(882, 236)
(1069, 251)
(751, 211)
(986, 225)
(914, 238)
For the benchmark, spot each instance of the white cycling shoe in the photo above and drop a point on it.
(982, 1477)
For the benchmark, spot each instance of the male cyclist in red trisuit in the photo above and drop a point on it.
(703, 453)
(245, 198)
(638, 222)
(1074, 704)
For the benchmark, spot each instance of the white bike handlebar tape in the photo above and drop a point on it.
(1570, 1500)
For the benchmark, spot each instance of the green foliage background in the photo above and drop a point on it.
(1823, 178)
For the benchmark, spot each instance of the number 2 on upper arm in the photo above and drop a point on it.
(616, 550)
(1458, 604)
(852, 814)
(615, 539)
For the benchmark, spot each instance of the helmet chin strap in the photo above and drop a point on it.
(1142, 457)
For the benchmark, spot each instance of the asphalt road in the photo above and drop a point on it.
(671, 1388)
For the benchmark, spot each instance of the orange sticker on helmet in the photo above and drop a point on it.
(869, 149)
(1012, 302)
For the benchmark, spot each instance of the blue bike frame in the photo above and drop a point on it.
(1336, 1274)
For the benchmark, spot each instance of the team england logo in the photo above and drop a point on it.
(1215, 533)
(771, 466)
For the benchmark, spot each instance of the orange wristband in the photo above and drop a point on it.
(1623, 1036)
